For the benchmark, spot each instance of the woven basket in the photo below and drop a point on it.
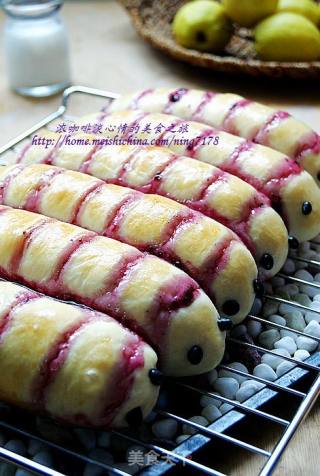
(152, 19)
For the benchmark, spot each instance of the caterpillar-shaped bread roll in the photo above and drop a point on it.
(207, 250)
(201, 186)
(77, 365)
(291, 190)
(156, 300)
(233, 113)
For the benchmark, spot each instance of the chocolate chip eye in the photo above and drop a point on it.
(266, 261)
(258, 287)
(155, 376)
(134, 417)
(306, 208)
(225, 324)
(230, 308)
(293, 243)
(195, 355)
(318, 176)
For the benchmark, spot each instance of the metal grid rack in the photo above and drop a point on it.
(301, 385)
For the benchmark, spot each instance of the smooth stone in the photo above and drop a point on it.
(270, 307)
(104, 439)
(316, 297)
(284, 367)
(277, 281)
(238, 331)
(304, 275)
(254, 328)
(289, 267)
(303, 299)
(273, 360)
(226, 386)
(212, 376)
(312, 316)
(237, 366)
(281, 293)
(43, 457)
(313, 328)
(285, 333)
(256, 307)
(226, 407)
(285, 308)
(277, 320)
(35, 447)
(16, 446)
(295, 320)
(181, 438)
(301, 354)
(317, 278)
(306, 343)
(166, 428)
(259, 385)
(205, 400)
(211, 413)
(291, 289)
(22, 472)
(246, 392)
(104, 456)
(286, 343)
(309, 290)
(265, 371)
(268, 338)
(86, 437)
(189, 430)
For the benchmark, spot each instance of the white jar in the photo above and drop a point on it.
(36, 47)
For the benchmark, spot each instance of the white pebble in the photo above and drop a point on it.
(225, 407)
(285, 308)
(86, 437)
(291, 289)
(295, 320)
(317, 278)
(284, 367)
(306, 343)
(17, 446)
(206, 400)
(104, 439)
(273, 360)
(289, 267)
(226, 386)
(301, 354)
(310, 290)
(304, 275)
(212, 376)
(259, 385)
(313, 328)
(246, 392)
(181, 438)
(44, 457)
(277, 320)
(19, 472)
(303, 299)
(238, 331)
(165, 429)
(285, 333)
(211, 413)
(35, 446)
(270, 307)
(315, 305)
(256, 307)
(277, 281)
(268, 338)
(286, 343)
(264, 371)
(316, 297)
(229, 373)
(189, 430)
(312, 316)
(254, 328)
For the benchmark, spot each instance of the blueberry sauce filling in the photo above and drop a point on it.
(206, 99)
(119, 213)
(274, 120)
(136, 100)
(228, 124)
(21, 299)
(174, 97)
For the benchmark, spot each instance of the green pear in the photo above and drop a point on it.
(249, 12)
(307, 8)
(202, 25)
(287, 37)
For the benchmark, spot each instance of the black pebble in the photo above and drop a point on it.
(230, 308)
(293, 243)
(258, 287)
(156, 377)
(266, 261)
(195, 355)
(134, 417)
(225, 324)
(306, 208)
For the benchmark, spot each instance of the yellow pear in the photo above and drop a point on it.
(202, 25)
(287, 37)
(249, 12)
(307, 8)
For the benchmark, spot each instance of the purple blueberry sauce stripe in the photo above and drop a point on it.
(32, 200)
(274, 119)
(6, 181)
(119, 212)
(6, 319)
(134, 104)
(174, 97)
(206, 99)
(227, 124)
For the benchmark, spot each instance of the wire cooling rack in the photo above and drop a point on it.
(298, 389)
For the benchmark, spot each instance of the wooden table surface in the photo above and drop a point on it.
(107, 54)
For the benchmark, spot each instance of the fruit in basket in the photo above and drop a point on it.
(287, 37)
(249, 12)
(306, 8)
(202, 25)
